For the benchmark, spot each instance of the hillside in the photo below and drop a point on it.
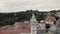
(11, 18)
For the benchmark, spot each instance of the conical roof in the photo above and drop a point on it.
(33, 19)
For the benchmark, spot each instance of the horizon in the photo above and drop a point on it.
(32, 10)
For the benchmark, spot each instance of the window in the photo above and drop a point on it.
(33, 30)
(24, 27)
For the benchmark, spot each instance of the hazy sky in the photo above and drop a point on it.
(18, 5)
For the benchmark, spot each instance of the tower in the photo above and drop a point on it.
(33, 24)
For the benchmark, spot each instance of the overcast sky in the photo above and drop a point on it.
(19, 5)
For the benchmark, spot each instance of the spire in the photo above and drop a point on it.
(33, 19)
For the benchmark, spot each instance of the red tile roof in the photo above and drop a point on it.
(22, 28)
(50, 18)
(58, 13)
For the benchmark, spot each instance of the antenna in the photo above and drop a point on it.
(15, 13)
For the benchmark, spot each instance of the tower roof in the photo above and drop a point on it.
(33, 19)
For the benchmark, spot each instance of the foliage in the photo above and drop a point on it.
(11, 18)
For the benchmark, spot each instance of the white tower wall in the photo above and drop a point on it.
(33, 23)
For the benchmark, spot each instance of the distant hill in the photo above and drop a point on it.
(11, 18)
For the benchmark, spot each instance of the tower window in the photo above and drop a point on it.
(33, 30)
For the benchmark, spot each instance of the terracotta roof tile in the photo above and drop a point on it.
(20, 29)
